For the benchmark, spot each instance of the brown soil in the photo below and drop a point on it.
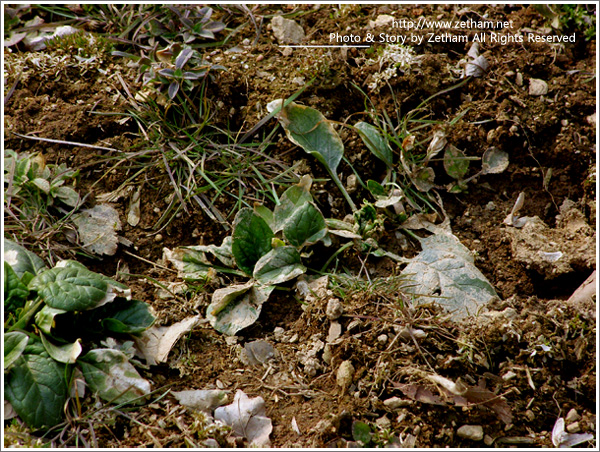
(500, 351)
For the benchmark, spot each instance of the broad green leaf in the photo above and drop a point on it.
(266, 214)
(71, 289)
(279, 265)
(15, 292)
(251, 239)
(121, 289)
(376, 143)
(309, 129)
(36, 387)
(305, 226)
(109, 374)
(222, 297)
(294, 197)
(44, 319)
(66, 354)
(376, 188)
(456, 163)
(67, 195)
(361, 432)
(14, 345)
(128, 316)
(240, 311)
(22, 261)
(42, 184)
(444, 272)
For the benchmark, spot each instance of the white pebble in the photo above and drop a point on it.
(472, 432)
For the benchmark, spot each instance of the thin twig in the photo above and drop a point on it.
(71, 143)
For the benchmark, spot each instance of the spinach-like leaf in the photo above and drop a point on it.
(127, 316)
(292, 199)
(305, 226)
(66, 354)
(375, 142)
(279, 265)
(309, 129)
(236, 307)
(15, 292)
(71, 288)
(251, 239)
(24, 263)
(36, 387)
(109, 374)
(14, 345)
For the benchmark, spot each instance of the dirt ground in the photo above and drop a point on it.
(535, 350)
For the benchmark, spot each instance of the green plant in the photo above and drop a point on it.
(266, 245)
(59, 328)
(37, 186)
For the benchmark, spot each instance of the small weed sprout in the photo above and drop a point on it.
(393, 58)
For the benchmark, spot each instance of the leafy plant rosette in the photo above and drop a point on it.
(55, 321)
(266, 245)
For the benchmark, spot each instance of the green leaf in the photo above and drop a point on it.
(66, 354)
(266, 214)
(376, 188)
(305, 226)
(293, 198)
(120, 288)
(67, 195)
(309, 129)
(376, 143)
(251, 239)
(14, 345)
(444, 272)
(109, 374)
(279, 265)
(15, 292)
(456, 163)
(36, 387)
(236, 307)
(128, 316)
(361, 432)
(71, 289)
(22, 261)
(44, 319)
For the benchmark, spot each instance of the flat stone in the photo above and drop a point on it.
(537, 87)
(472, 432)
(287, 31)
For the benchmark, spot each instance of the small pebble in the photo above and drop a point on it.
(519, 79)
(537, 87)
(158, 238)
(344, 376)
(472, 432)
(396, 402)
(334, 309)
(491, 206)
(488, 440)
(335, 331)
(574, 427)
(382, 338)
(572, 416)
(564, 122)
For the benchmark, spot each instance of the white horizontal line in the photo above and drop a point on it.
(311, 47)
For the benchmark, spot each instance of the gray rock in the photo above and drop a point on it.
(472, 432)
(287, 31)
